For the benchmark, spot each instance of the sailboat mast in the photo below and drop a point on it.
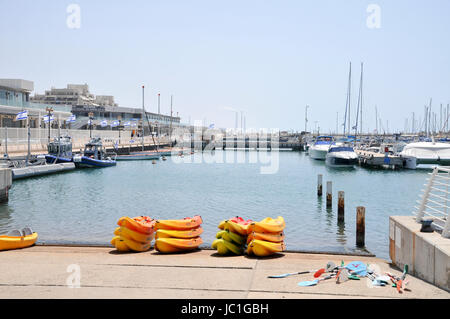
(376, 120)
(359, 104)
(349, 96)
(361, 90)
(143, 114)
(347, 104)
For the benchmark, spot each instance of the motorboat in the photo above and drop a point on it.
(59, 150)
(426, 153)
(320, 147)
(341, 156)
(94, 155)
(144, 155)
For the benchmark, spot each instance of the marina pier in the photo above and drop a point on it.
(103, 273)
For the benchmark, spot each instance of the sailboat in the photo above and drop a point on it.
(141, 155)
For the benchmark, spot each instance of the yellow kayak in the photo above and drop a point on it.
(14, 242)
(140, 224)
(236, 227)
(225, 247)
(272, 237)
(133, 235)
(263, 248)
(176, 245)
(179, 224)
(167, 233)
(267, 225)
(121, 244)
(231, 237)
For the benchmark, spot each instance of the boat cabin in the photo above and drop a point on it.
(327, 140)
(343, 148)
(94, 149)
(61, 147)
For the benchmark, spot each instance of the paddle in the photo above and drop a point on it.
(317, 273)
(398, 281)
(291, 274)
(314, 282)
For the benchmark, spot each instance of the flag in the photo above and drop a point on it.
(133, 124)
(45, 117)
(126, 123)
(104, 123)
(211, 126)
(89, 122)
(115, 123)
(21, 116)
(71, 118)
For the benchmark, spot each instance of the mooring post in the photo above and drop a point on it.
(360, 226)
(341, 204)
(319, 185)
(329, 194)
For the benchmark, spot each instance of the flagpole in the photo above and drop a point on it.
(59, 135)
(143, 114)
(28, 153)
(6, 142)
(170, 132)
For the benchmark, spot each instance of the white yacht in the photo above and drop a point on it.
(320, 147)
(342, 155)
(426, 153)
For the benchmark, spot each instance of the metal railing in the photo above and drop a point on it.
(435, 199)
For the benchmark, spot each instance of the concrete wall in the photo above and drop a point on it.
(5, 183)
(426, 254)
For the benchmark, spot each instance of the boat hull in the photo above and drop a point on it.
(337, 161)
(138, 156)
(87, 162)
(318, 153)
(52, 159)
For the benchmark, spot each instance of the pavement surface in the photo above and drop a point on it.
(46, 271)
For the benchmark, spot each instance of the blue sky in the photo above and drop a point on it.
(265, 58)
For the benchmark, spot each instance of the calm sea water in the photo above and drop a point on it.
(84, 205)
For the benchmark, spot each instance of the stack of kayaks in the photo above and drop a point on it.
(18, 239)
(231, 238)
(134, 234)
(178, 235)
(266, 237)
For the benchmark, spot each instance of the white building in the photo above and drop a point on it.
(73, 94)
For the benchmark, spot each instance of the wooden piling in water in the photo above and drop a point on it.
(360, 226)
(329, 194)
(341, 203)
(319, 185)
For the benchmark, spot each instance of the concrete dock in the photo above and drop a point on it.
(38, 170)
(46, 271)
